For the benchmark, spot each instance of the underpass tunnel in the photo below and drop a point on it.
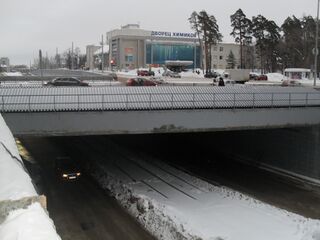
(293, 150)
(231, 158)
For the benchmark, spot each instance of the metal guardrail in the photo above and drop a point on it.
(155, 101)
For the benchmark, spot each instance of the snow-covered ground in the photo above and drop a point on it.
(12, 74)
(19, 220)
(174, 205)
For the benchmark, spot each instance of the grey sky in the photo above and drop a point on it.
(30, 25)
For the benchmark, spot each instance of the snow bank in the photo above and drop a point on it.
(276, 77)
(12, 74)
(14, 181)
(174, 205)
(32, 223)
(28, 221)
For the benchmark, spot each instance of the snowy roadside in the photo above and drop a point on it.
(174, 205)
(21, 214)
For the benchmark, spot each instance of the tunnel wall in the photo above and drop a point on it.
(295, 150)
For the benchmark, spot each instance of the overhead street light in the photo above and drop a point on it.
(316, 48)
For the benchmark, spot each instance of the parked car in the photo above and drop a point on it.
(140, 82)
(67, 169)
(261, 77)
(211, 75)
(145, 73)
(67, 81)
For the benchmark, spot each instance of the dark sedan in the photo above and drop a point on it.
(67, 81)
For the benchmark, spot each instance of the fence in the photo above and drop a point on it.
(156, 101)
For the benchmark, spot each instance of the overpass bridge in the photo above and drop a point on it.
(52, 111)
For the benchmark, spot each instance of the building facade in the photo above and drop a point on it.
(220, 54)
(5, 64)
(132, 47)
(90, 52)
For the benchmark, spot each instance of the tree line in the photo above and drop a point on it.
(263, 44)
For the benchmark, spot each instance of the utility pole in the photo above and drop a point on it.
(40, 65)
(316, 49)
(72, 57)
(102, 56)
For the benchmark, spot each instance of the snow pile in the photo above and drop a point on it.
(31, 223)
(19, 218)
(14, 181)
(174, 205)
(276, 77)
(12, 74)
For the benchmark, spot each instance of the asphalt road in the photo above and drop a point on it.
(80, 209)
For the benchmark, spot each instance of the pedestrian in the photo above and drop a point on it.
(221, 82)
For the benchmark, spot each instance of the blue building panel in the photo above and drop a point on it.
(158, 53)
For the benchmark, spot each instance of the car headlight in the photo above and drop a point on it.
(78, 174)
(65, 175)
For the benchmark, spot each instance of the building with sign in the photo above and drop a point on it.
(132, 47)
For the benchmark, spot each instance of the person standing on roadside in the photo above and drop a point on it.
(221, 82)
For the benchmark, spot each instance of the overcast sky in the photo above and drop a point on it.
(30, 25)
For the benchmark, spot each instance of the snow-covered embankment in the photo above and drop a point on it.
(22, 213)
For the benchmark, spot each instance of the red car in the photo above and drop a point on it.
(145, 73)
(140, 82)
(261, 77)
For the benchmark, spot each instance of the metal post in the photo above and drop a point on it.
(2, 103)
(54, 102)
(316, 48)
(127, 102)
(150, 97)
(172, 101)
(29, 103)
(78, 102)
(214, 101)
(253, 100)
(289, 100)
(102, 100)
(193, 99)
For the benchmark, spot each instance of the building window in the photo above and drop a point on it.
(221, 49)
(215, 48)
(129, 58)
(215, 57)
(214, 66)
(220, 57)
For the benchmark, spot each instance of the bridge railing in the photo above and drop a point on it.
(156, 101)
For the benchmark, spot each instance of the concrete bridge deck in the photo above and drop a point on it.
(132, 110)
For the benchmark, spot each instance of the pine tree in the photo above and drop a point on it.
(195, 25)
(211, 35)
(241, 31)
(231, 60)
(293, 41)
(267, 35)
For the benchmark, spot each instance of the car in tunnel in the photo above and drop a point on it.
(67, 169)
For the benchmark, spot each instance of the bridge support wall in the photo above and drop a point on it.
(141, 122)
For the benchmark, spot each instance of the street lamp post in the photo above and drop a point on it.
(316, 48)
